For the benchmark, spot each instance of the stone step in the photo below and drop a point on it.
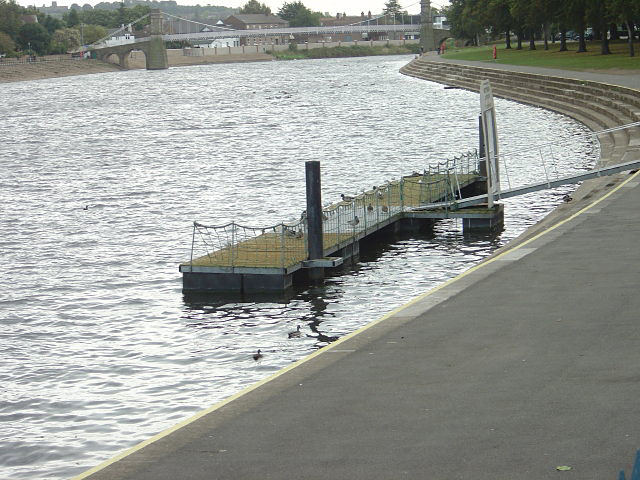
(588, 104)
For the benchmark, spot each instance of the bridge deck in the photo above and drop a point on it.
(285, 248)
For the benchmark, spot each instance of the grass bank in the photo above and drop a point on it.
(340, 52)
(554, 58)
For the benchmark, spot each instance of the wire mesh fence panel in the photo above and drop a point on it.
(532, 166)
(286, 244)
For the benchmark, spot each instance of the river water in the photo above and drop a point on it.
(99, 347)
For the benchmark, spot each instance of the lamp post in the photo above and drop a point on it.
(29, 45)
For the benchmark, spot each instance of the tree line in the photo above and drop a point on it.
(50, 35)
(529, 20)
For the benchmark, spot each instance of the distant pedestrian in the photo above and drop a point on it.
(421, 51)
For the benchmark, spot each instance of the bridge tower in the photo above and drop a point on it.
(427, 36)
(156, 53)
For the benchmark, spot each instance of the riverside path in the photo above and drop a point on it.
(526, 362)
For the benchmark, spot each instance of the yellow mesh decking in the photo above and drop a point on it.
(270, 250)
(284, 246)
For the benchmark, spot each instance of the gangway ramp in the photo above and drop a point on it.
(534, 187)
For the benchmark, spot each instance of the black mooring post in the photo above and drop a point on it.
(314, 217)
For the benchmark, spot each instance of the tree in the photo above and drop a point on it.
(253, 6)
(298, 15)
(10, 17)
(468, 19)
(7, 46)
(600, 17)
(71, 18)
(51, 24)
(93, 33)
(35, 37)
(576, 12)
(98, 17)
(500, 19)
(65, 39)
(625, 11)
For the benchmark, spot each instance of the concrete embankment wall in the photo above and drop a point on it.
(264, 48)
(598, 106)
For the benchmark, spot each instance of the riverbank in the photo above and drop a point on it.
(592, 60)
(22, 72)
(599, 100)
(345, 52)
(67, 67)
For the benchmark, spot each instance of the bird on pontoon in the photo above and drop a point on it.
(567, 198)
(295, 333)
(299, 234)
(385, 209)
(258, 356)
(369, 208)
(347, 198)
(324, 217)
(354, 222)
(380, 194)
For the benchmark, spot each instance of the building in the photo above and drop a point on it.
(440, 21)
(30, 18)
(54, 10)
(341, 20)
(120, 36)
(259, 22)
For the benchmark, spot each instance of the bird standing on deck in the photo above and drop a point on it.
(257, 356)
(295, 333)
(347, 198)
(385, 209)
(354, 222)
(369, 208)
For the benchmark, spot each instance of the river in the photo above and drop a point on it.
(99, 347)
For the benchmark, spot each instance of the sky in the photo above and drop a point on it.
(350, 7)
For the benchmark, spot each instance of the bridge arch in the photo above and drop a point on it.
(154, 52)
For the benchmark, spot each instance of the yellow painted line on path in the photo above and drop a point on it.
(249, 389)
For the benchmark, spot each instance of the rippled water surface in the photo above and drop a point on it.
(99, 347)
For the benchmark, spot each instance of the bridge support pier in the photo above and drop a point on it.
(156, 54)
(427, 35)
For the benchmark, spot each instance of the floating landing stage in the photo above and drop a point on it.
(236, 258)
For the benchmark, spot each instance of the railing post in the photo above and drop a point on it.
(314, 217)
(233, 243)
(193, 242)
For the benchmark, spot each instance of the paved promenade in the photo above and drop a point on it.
(625, 78)
(526, 362)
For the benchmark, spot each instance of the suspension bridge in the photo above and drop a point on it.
(165, 27)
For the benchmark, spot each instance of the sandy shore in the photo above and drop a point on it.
(64, 68)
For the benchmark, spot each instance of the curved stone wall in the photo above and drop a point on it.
(599, 106)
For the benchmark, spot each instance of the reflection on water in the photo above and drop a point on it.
(100, 347)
